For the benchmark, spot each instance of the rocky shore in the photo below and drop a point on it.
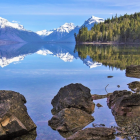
(15, 123)
(72, 109)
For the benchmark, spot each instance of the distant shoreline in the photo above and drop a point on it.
(115, 43)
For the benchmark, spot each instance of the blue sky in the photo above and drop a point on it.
(37, 15)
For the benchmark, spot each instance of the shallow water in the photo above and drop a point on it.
(38, 71)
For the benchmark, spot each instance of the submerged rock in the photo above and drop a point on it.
(133, 71)
(99, 105)
(70, 120)
(134, 86)
(14, 119)
(75, 96)
(98, 133)
(97, 97)
(109, 76)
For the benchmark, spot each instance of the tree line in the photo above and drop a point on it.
(119, 29)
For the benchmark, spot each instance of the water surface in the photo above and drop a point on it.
(38, 71)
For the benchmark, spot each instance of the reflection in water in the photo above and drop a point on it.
(39, 77)
(108, 55)
(17, 52)
(92, 56)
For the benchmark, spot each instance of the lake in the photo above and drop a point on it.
(39, 70)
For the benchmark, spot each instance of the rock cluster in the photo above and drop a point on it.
(14, 119)
(72, 107)
(133, 71)
(125, 107)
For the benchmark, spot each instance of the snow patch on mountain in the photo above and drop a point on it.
(44, 33)
(67, 27)
(5, 22)
(91, 21)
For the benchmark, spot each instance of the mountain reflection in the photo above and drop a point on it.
(110, 55)
(92, 56)
(17, 52)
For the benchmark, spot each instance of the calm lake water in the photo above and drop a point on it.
(38, 71)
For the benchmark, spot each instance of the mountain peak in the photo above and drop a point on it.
(4, 23)
(67, 27)
(91, 21)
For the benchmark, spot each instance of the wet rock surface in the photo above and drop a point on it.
(98, 133)
(121, 102)
(14, 119)
(75, 96)
(133, 71)
(70, 120)
(134, 86)
(125, 107)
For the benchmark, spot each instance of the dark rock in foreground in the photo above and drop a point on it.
(134, 86)
(133, 71)
(98, 133)
(69, 121)
(14, 119)
(75, 96)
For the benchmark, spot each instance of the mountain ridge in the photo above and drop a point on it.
(62, 35)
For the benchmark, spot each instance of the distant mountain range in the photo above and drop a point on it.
(65, 33)
(15, 32)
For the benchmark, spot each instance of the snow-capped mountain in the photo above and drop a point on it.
(5, 23)
(44, 33)
(16, 32)
(91, 21)
(60, 32)
(65, 33)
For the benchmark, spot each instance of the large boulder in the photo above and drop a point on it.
(69, 121)
(75, 96)
(133, 71)
(14, 119)
(98, 133)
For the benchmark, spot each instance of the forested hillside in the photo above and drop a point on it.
(119, 29)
